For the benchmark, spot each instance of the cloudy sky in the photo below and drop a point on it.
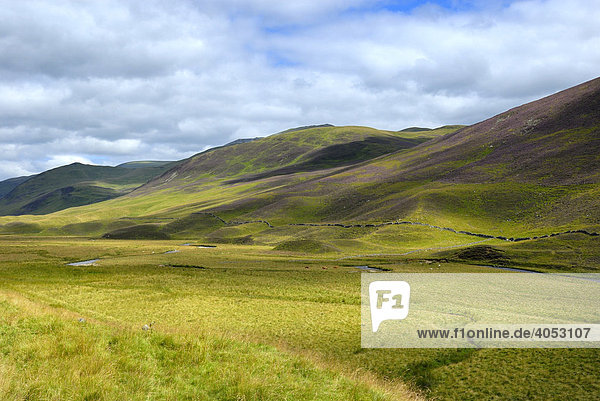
(111, 81)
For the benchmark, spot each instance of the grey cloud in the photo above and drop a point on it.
(112, 81)
(65, 39)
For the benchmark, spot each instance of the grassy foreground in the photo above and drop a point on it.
(50, 355)
(232, 322)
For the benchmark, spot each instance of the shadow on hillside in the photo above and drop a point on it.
(338, 155)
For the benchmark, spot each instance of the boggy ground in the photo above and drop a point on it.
(248, 322)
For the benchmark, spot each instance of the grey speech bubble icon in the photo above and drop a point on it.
(389, 301)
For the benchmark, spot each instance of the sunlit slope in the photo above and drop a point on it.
(552, 141)
(533, 167)
(292, 151)
(429, 133)
(74, 185)
(234, 173)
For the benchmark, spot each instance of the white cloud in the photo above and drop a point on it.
(61, 160)
(94, 146)
(278, 13)
(14, 169)
(112, 81)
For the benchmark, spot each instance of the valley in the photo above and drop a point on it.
(235, 273)
(238, 302)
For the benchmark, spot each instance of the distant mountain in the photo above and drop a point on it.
(414, 129)
(534, 168)
(74, 185)
(305, 127)
(428, 133)
(551, 141)
(536, 164)
(242, 140)
(8, 185)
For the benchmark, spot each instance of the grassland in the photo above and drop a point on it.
(246, 322)
(47, 354)
(292, 151)
(289, 218)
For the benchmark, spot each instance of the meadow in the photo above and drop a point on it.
(263, 302)
(253, 322)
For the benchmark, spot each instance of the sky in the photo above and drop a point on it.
(105, 82)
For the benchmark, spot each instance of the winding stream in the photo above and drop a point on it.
(83, 262)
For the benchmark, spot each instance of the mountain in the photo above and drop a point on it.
(552, 141)
(535, 165)
(306, 127)
(217, 176)
(242, 140)
(309, 148)
(8, 185)
(147, 163)
(292, 151)
(74, 185)
(414, 129)
(532, 169)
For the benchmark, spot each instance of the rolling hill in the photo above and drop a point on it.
(280, 224)
(296, 150)
(532, 169)
(217, 175)
(8, 185)
(74, 185)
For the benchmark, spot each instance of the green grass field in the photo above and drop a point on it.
(252, 322)
(271, 310)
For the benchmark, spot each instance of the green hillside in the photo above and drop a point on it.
(223, 174)
(292, 151)
(529, 171)
(430, 133)
(75, 185)
(534, 166)
(532, 169)
(8, 185)
(146, 163)
(261, 242)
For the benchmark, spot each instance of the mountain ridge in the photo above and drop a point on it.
(299, 149)
(75, 184)
(537, 163)
(530, 170)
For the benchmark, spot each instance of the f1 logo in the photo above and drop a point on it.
(389, 301)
